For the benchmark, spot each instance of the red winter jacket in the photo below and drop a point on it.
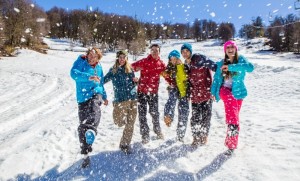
(150, 73)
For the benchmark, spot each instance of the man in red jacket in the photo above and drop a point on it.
(151, 67)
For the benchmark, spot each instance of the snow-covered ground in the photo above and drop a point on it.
(38, 124)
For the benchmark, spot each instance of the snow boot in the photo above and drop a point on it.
(229, 152)
(168, 120)
(86, 161)
(145, 139)
(126, 149)
(196, 142)
(203, 140)
(160, 136)
(90, 136)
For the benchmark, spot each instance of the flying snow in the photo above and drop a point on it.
(40, 20)
(16, 10)
(27, 30)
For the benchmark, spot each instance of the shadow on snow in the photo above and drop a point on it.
(115, 165)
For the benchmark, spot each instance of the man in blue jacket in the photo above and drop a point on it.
(90, 93)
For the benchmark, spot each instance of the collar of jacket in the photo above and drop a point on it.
(151, 58)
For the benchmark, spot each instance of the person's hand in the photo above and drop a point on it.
(105, 102)
(135, 79)
(94, 78)
(178, 61)
(224, 68)
(213, 98)
(187, 61)
(138, 69)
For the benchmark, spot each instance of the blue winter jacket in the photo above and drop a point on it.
(85, 88)
(124, 87)
(239, 90)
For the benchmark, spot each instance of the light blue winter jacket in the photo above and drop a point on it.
(239, 90)
(86, 89)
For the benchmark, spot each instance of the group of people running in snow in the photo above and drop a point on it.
(188, 81)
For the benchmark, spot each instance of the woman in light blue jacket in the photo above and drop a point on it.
(228, 85)
(90, 93)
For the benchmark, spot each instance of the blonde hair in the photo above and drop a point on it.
(95, 50)
(127, 65)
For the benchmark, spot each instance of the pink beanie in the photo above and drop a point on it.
(228, 43)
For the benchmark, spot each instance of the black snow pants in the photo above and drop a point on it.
(152, 101)
(89, 118)
(201, 116)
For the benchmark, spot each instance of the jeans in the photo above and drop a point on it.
(183, 111)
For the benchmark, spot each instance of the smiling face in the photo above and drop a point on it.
(230, 51)
(173, 60)
(155, 52)
(93, 56)
(186, 54)
(122, 59)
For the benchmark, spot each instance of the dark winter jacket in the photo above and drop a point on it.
(85, 88)
(150, 74)
(200, 78)
(124, 87)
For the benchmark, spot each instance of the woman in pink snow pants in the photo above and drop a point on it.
(228, 85)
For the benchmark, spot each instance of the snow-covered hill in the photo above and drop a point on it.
(38, 124)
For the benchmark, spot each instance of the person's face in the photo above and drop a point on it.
(122, 59)
(173, 60)
(92, 57)
(155, 52)
(230, 51)
(186, 54)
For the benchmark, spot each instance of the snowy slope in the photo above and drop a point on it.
(38, 124)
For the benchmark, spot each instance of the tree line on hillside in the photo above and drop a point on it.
(23, 24)
(284, 33)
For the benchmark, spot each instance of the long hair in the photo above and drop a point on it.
(127, 66)
(228, 74)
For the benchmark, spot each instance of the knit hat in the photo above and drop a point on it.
(121, 52)
(228, 43)
(174, 53)
(187, 46)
